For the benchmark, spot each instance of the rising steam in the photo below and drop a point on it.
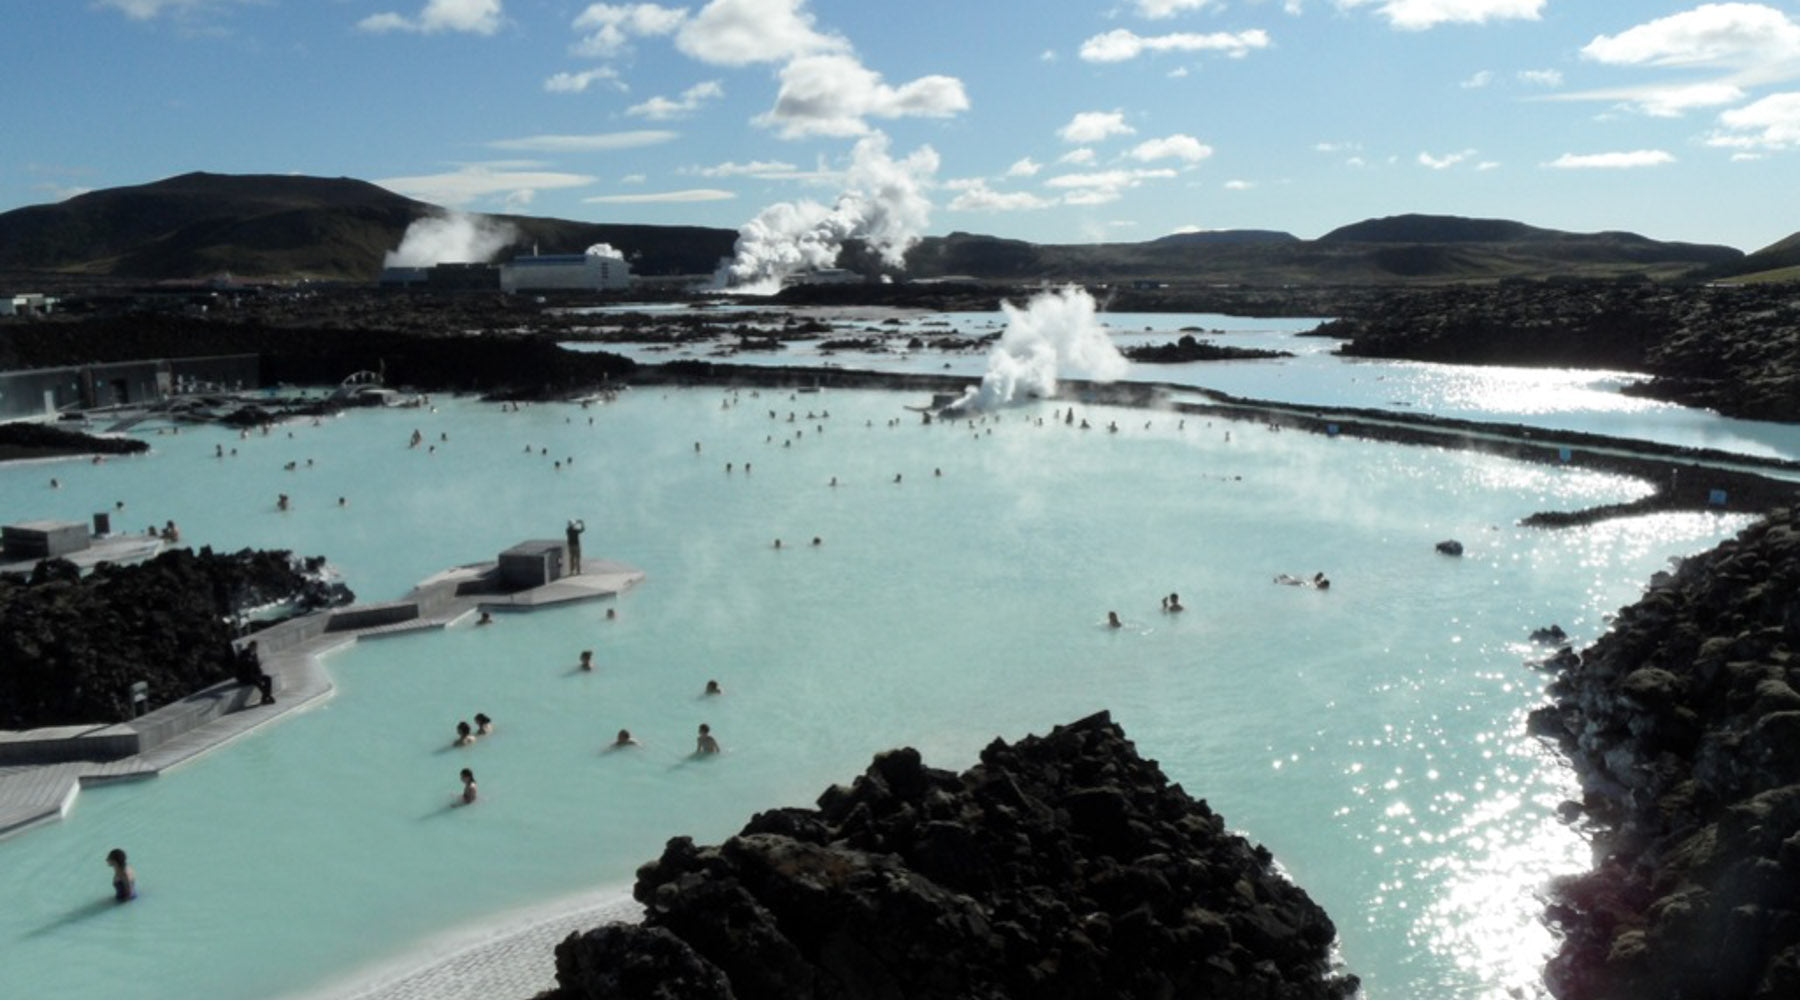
(883, 204)
(1058, 332)
(605, 250)
(455, 237)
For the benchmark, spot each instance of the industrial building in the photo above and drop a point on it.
(564, 272)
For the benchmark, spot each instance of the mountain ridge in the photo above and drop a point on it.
(201, 224)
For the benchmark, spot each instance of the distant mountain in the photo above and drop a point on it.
(200, 224)
(1777, 261)
(1436, 229)
(1227, 237)
(1406, 248)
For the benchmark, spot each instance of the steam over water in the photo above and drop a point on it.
(1057, 332)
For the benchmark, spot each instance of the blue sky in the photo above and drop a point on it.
(1056, 121)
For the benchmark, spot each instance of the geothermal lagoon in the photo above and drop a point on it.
(1372, 736)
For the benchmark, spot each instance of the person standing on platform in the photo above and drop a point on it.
(573, 532)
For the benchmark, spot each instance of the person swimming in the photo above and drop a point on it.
(712, 687)
(1172, 603)
(1112, 620)
(705, 743)
(469, 791)
(587, 659)
(464, 734)
(124, 880)
(485, 619)
(483, 724)
(625, 739)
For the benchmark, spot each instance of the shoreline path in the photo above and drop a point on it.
(512, 955)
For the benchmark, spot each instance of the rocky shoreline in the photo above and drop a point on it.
(1733, 348)
(1060, 866)
(1683, 722)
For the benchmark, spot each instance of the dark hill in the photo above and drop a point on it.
(1226, 237)
(1435, 229)
(200, 224)
(275, 226)
(1782, 255)
(265, 225)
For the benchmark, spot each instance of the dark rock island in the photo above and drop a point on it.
(1061, 866)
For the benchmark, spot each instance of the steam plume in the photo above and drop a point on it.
(884, 204)
(1058, 332)
(605, 250)
(455, 237)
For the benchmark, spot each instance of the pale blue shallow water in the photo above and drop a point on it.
(1372, 736)
(1560, 399)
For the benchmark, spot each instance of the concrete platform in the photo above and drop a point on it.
(292, 654)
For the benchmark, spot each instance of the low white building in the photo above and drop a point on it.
(564, 272)
(26, 304)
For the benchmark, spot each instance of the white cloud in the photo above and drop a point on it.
(1444, 162)
(978, 197)
(1120, 44)
(1077, 157)
(1093, 126)
(741, 32)
(832, 94)
(595, 143)
(474, 181)
(1714, 34)
(1024, 167)
(475, 17)
(575, 83)
(1103, 186)
(1093, 196)
(1418, 15)
(1748, 44)
(1236, 185)
(661, 197)
(1156, 10)
(1336, 147)
(755, 168)
(610, 27)
(1541, 77)
(633, 179)
(1673, 102)
(1480, 79)
(145, 10)
(1179, 147)
(1771, 123)
(662, 108)
(1611, 161)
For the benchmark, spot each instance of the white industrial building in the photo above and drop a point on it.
(571, 271)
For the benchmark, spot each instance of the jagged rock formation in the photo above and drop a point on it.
(1684, 722)
(1062, 866)
(72, 645)
(1733, 349)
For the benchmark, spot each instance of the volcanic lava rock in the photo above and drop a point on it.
(1684, 722)
(1062, 866)
(72, 645)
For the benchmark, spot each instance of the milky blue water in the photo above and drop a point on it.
(1371, 735)
(1562, 399)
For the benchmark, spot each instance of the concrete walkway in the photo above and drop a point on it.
(506, 959)
(292, 653)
